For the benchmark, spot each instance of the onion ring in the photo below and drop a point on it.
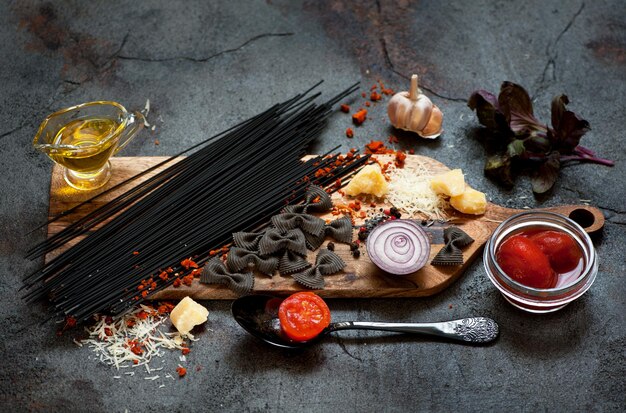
(398, 246)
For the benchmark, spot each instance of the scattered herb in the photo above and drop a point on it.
(509, 117)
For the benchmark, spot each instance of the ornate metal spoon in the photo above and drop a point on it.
(257, 315)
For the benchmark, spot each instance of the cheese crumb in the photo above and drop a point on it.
(187, 314)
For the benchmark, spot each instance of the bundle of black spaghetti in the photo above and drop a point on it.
(235, 182)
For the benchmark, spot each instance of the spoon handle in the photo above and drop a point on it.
(469, 330)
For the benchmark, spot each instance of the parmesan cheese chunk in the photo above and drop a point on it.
(452, 183)
(470, 202)
(369, 180)
(187, 314)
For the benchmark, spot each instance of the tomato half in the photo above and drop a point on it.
(303, 316)
(521, 259)
(562, 251)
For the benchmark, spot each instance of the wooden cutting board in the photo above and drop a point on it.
(360, 278)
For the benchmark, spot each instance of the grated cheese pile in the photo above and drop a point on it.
(132, 340)
(410, 192)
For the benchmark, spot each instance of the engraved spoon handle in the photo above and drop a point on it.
(477, 330)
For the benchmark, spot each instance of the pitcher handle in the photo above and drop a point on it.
(134, 124)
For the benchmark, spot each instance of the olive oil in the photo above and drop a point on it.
(85, 145)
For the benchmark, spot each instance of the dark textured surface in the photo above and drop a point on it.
(186, 58)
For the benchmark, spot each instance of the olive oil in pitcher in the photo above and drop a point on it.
(84, 144)
(83, 138)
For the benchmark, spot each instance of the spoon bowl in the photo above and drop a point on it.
(258, 315)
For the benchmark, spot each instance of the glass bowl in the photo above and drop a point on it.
(537, 300)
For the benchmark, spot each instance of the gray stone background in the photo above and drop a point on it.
(206, 65)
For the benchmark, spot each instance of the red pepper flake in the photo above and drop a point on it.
(142, 315)
(359, 117)
(400, 158)
(144, 294)
(362, 214)
(188, 279)
(338, 183)
(164, 275)
(135, 347)
(176, 283)
(185, 350)
(135, 252)
(364, 94)
(135, 361)
(70, 322)
(169, 270)
(213, 253)
(181, 371)
(387, 211)
(367, 104)
(108, 332)
(375, 147)
(188, 263)
(375, 96)
(196, 272)
(130, 323)
(165, 308)
(412, 151)
(319, 173)
(345, 108)
(349, 133)
(392, 139)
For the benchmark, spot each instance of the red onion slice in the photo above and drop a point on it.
(399, 246)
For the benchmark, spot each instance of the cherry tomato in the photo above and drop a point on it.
(303, 316)
(562, 251)
(521, 259)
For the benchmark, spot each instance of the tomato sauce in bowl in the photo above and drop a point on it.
(540, 261)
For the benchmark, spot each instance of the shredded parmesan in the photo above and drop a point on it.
(132, 340)
(410, 192)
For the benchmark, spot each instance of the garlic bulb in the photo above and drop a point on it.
(415, 112)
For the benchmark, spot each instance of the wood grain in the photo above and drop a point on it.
(360, 278)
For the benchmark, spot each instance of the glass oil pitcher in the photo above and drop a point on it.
(82, 138)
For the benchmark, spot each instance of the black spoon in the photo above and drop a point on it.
(258, 315)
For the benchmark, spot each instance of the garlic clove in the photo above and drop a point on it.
(420, 114)
(434, 126)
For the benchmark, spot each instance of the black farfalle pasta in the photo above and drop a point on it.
(307, 223)
(247, 240)
(240, 259)
(316, 199)
(274, 241)
(215, 272)
(451, 253)
(326, 263)
(340, 229)
(291, 262)
(313, 242)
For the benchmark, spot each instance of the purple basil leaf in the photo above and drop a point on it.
(515, 148)
(558, 108)
(568, 126)
(498, 167)
(537, 144)
(517, 108)
(486, 106)
(546, 175)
